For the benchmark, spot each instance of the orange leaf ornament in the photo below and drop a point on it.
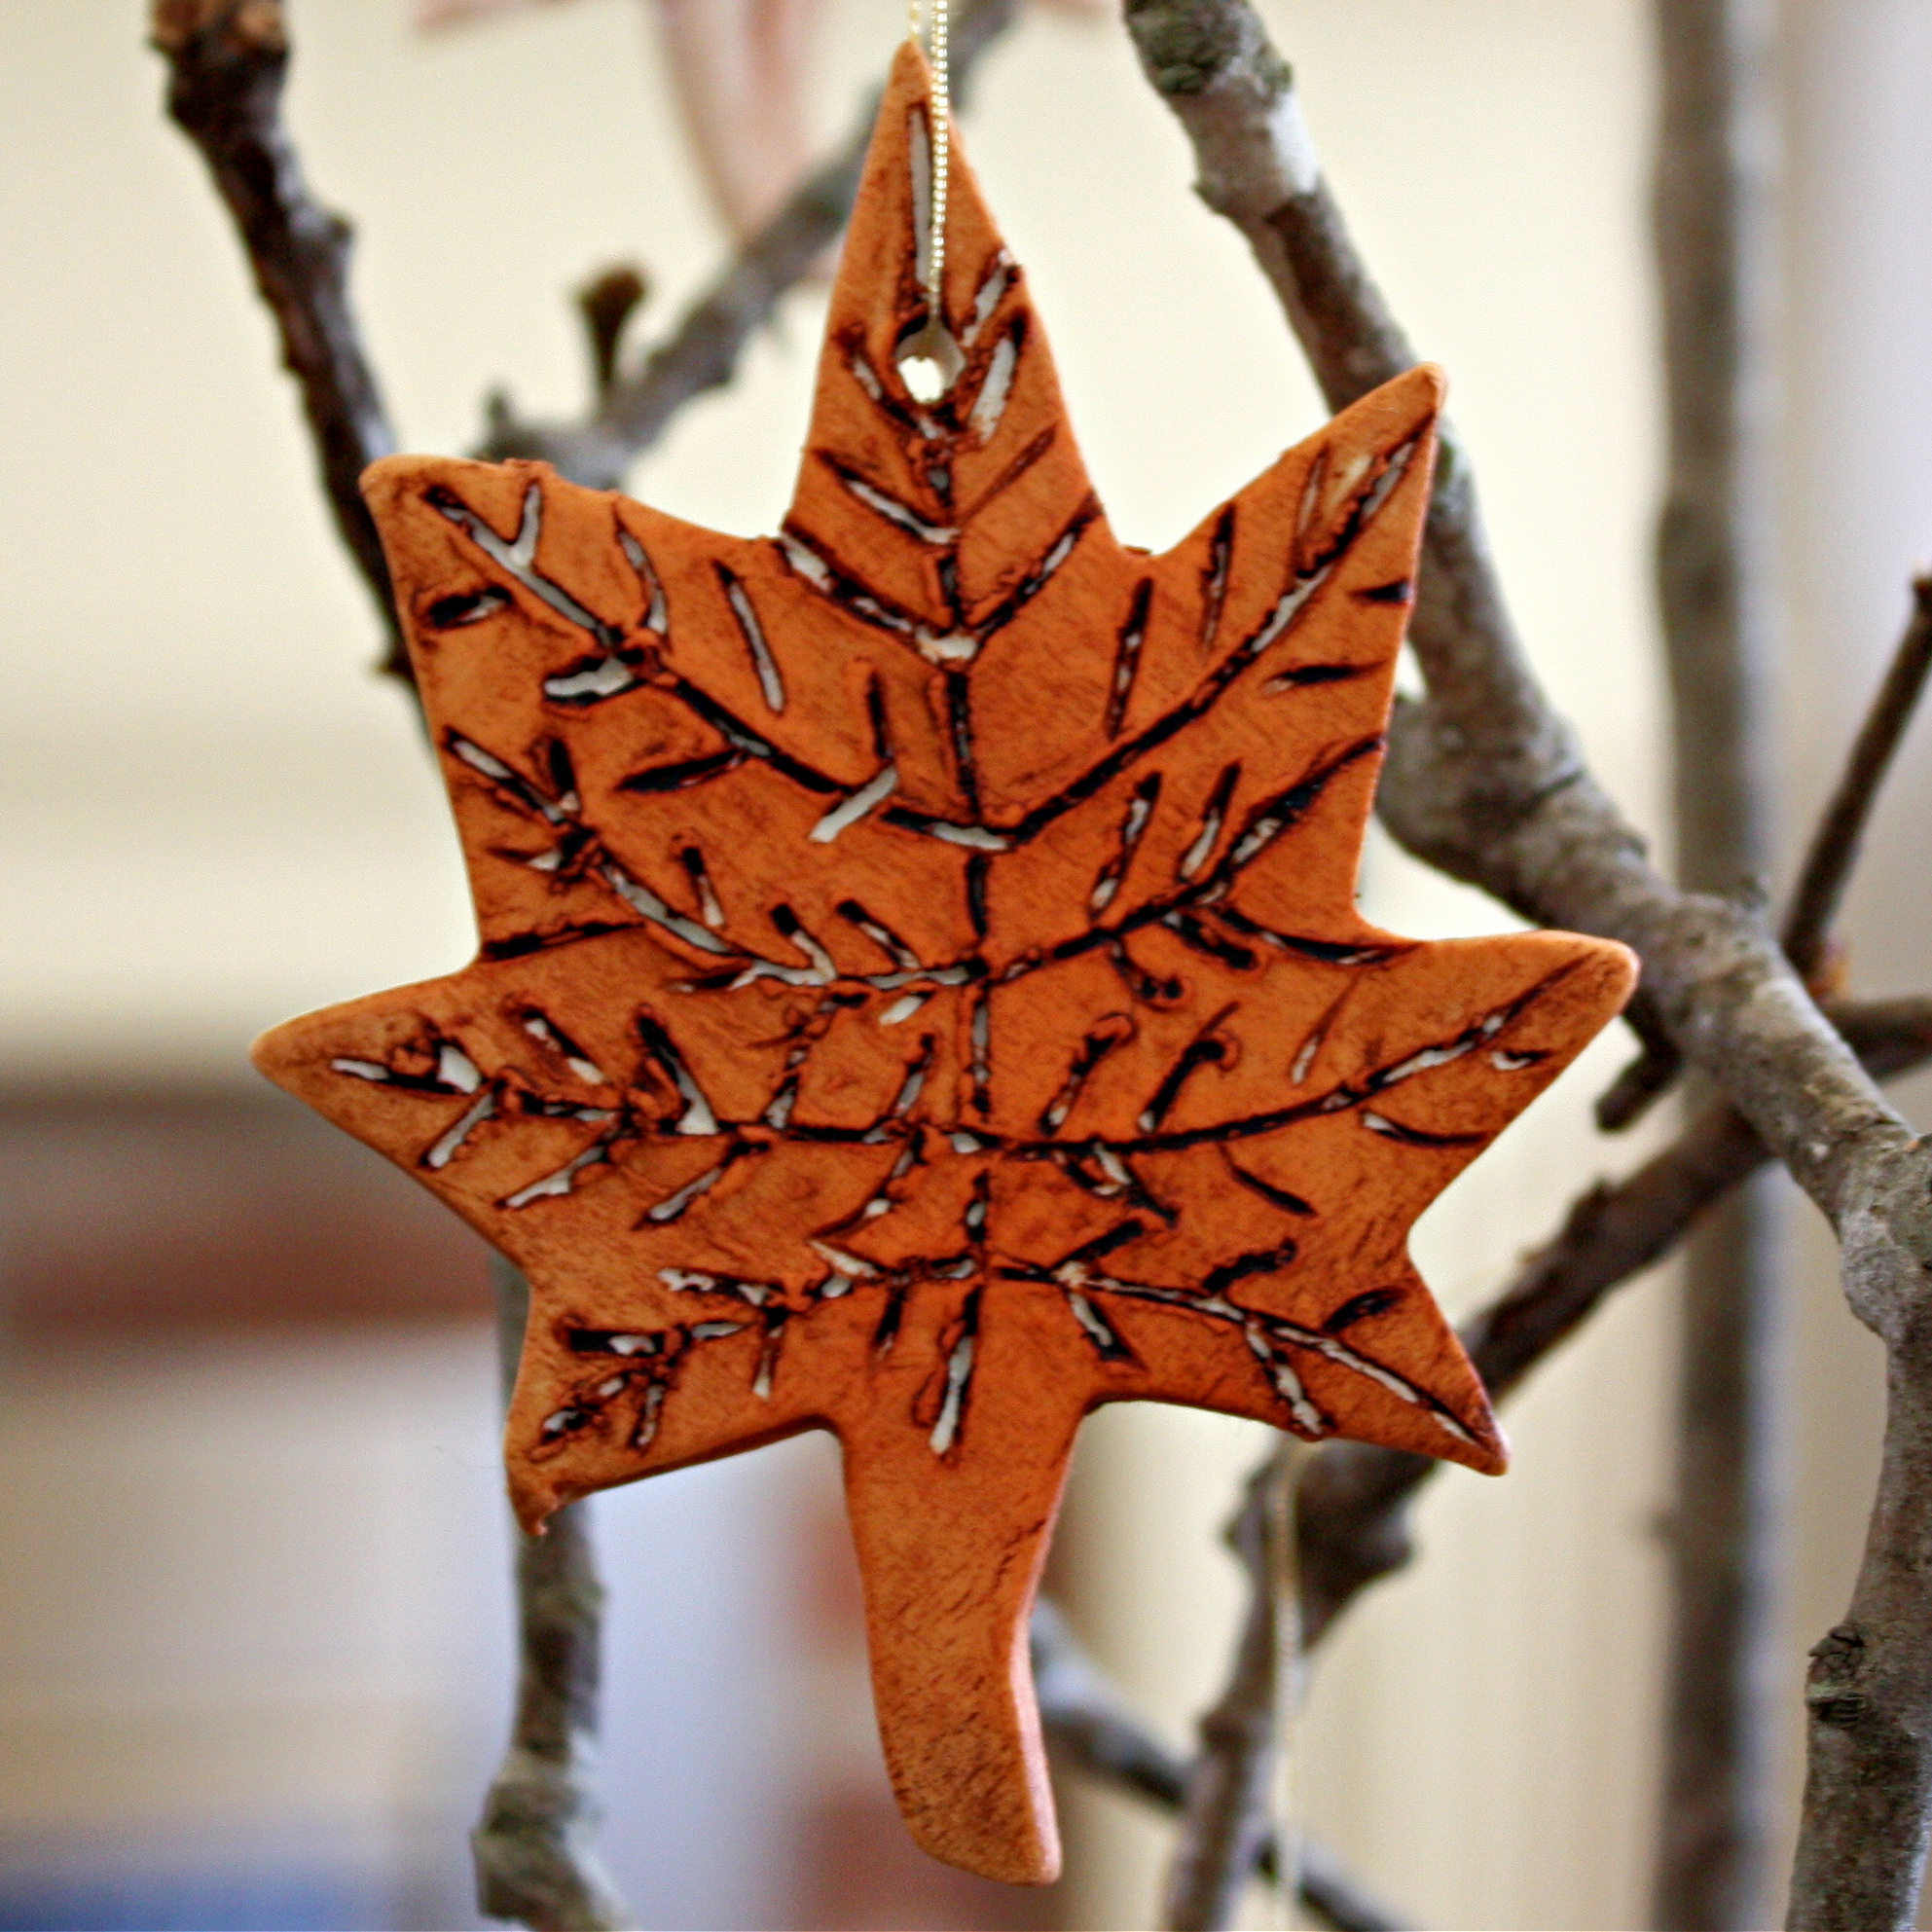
(921, 992)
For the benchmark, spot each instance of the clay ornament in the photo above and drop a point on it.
(921, 992)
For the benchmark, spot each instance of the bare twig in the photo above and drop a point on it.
(1094, 1729)
(228, 61)
(607, 302)
(1225, 1819)
(1646, 1079)
(1088, 1718)
(1715, 258)
(1715, 263)
(535, 1853)
(1828, 861)
(1483, 780)
(229, 58)
(1834, 850)
(1333, 1895)
(1485, 783)
(1351, 1499)
(702, 351)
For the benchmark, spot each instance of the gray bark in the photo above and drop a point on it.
(1485, 783)
(1716, 259)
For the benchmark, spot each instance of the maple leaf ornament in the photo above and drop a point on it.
(921, 992)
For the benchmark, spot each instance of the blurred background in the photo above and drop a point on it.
(254, 1612)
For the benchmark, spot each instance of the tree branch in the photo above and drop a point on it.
(1715, 255)
(536, 1862)
(1483, 781)
(228, 61)
(1226, 1818)
(1830, 859)
(607, 304)
(1352, 1496)
(1832, 855)
(702, 351)
(1094, 1729)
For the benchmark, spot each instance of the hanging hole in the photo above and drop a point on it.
(930, 361)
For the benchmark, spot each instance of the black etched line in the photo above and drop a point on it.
(1213, 813)
(820, 962)
(1116, 1180)
(589, 680)
(1127, 656)
(518, 556)
(1148, 988)
(1102, 1245)
(631, 1342)
(1342, 1098)
(505, 777)
(659, 1046)
(1401, 591)
(451, 613)
(951, 1424)
(812, 560)
(959, 717)
(688, 772)
(976, 869)
(1107, 1340)
(1208, 1047)
(887, 1332)
(656, 617)
(1013, 471)
(753, 633)
(1140, 813)
(1243, 1267)
(1268, 820)
(1417, 1137)
(979, 1034)
(883, 503)
(740, 734)
(1214, 579)
(1331, 951)
(541, 1027)
(708, 908)
(1201, 938)
(1097, 777)
(1114, 1030)
(680, 1202)
(1360, 1307)
(520, 945)
(1287, 611)
(1278, 1197)
(879, 933)
(978, 1210)
(1042, 573)
(1304, 675)
(852, 344)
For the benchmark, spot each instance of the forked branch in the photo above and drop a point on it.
(1486, 784)
(1832, 854)
(537, 1861)
(1352, 1498)
(227, 62)
(1830, 859)
(1093, 1727)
